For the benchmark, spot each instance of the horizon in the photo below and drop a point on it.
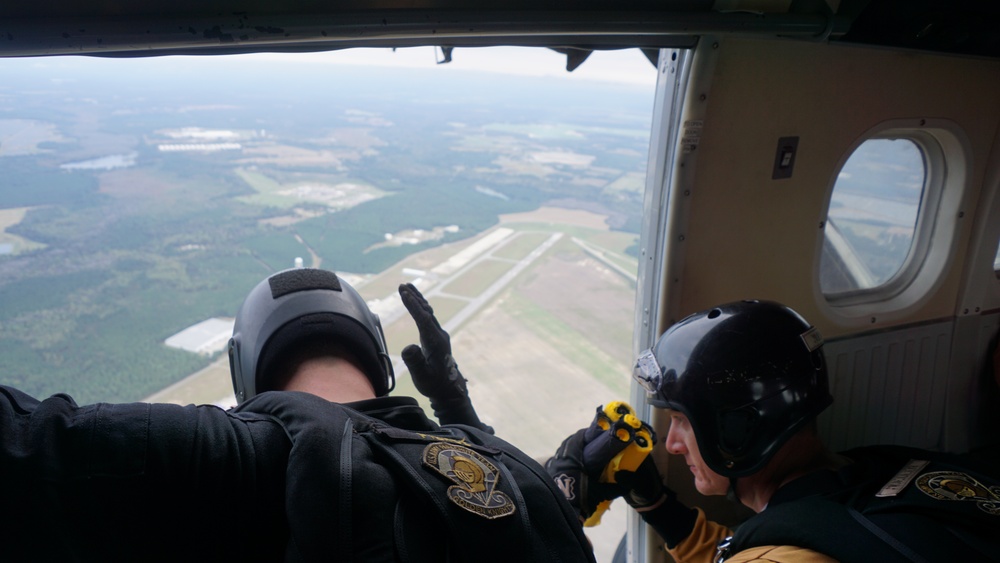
(627, 67)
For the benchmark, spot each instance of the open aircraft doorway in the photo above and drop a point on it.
(839, 157)
(144, 197)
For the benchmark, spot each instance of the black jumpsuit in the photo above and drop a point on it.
(281, 478)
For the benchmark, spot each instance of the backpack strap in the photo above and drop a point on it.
(318, 485)
(872, 527)
(344, 499)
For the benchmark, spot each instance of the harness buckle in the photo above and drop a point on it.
(722, 550)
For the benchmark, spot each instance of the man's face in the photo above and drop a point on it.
(681, 441)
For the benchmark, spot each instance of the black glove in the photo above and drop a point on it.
(643, 490)
(643, 487)
(432, 367)
(583, 457)
(579, 480)
(582, 465)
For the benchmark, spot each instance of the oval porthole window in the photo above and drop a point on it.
(874, 225)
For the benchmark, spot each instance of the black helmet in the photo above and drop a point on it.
(303, 307)
(747, 375)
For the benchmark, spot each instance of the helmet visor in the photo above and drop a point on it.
(647, 372)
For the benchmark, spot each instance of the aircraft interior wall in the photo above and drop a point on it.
(919, 374)
(746, 235)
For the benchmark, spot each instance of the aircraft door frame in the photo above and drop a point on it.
(673, 76)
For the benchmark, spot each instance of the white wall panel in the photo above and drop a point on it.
(889, 387)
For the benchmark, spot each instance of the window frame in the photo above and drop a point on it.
(935, 173)
(946, 153)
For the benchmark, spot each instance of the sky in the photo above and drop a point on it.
(627, 66)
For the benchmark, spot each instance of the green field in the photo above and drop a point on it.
(569, 342)
(521, 245)
(476, 280)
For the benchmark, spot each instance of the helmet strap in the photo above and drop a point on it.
(731, 494)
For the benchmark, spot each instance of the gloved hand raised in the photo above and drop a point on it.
(432, 367)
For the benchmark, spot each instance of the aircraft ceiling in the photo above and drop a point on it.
(161, 27)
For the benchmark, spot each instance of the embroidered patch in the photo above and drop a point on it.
(566, 485)
(951, 485)
(475, 479)
(903, 478)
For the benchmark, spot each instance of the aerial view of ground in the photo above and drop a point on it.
(142, 200)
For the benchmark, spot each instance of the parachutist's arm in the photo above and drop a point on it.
(122, 481)
(433, 368)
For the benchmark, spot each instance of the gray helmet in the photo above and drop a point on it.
(297, 308)
(747, 375)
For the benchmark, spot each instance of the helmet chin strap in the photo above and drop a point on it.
(731, 493)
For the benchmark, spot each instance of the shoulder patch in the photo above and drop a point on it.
(475, 478)
(953, 485)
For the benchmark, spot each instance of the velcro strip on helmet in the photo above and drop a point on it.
(303, 279)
